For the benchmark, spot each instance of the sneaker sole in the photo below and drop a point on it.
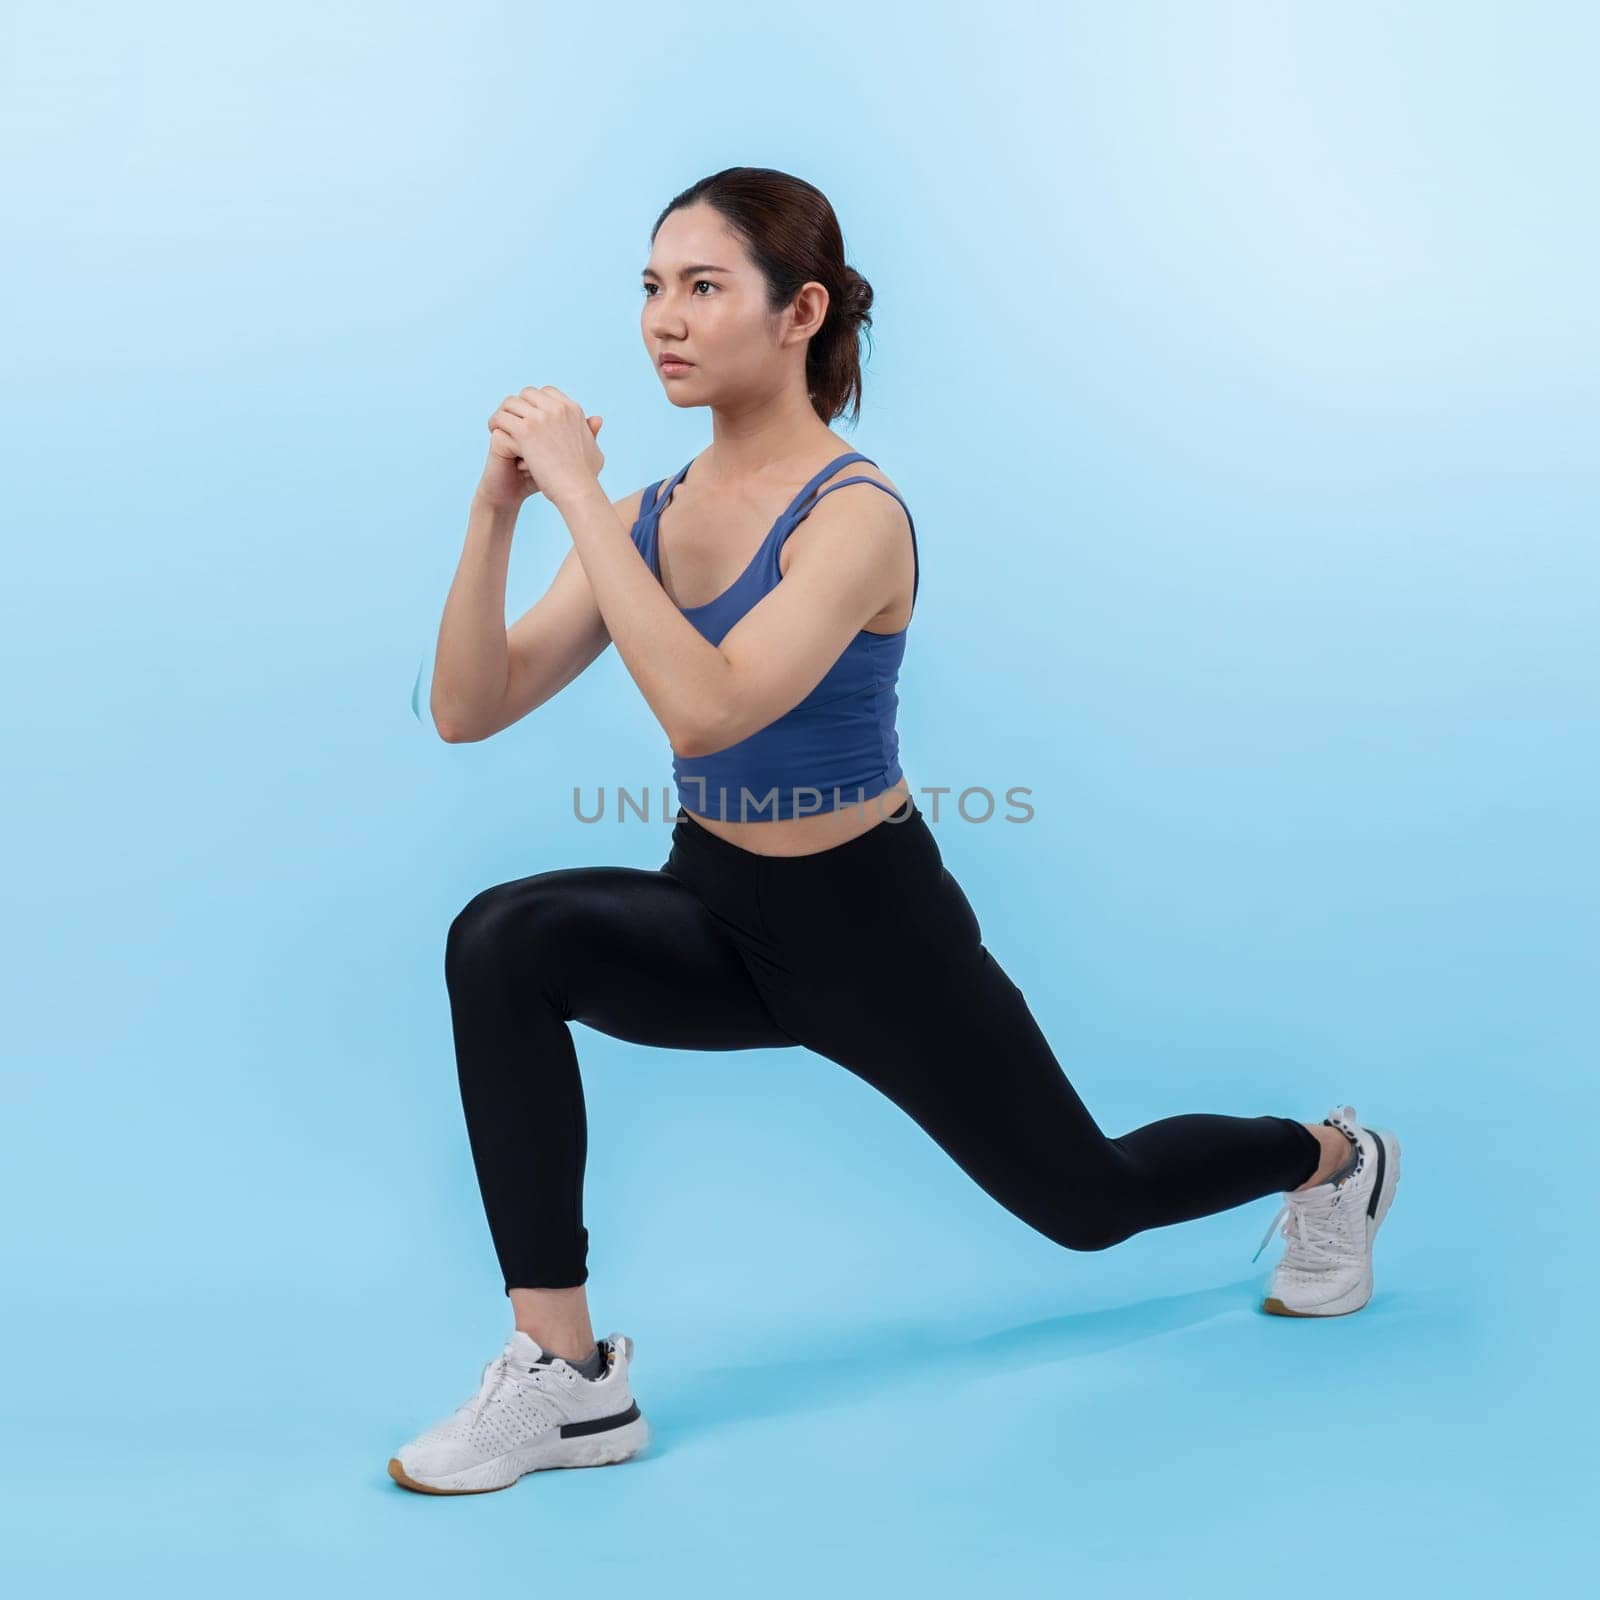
(1383, 1194)
(500, 1472)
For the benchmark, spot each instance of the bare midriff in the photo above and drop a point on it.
(801, 836)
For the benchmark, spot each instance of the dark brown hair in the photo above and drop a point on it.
(793, 236)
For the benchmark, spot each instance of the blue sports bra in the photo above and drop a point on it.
(839, 745)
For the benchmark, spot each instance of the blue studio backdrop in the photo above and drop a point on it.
(1237, 361)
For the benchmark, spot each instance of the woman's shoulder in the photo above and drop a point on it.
(864, 469)
(869, 469)
(630, 508)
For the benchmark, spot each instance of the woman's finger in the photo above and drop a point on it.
(547, 397)
(510, 421)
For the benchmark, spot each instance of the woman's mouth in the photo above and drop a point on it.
(671, 366)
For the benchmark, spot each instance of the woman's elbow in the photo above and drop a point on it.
(693, 736)
(687, 744)
(454, 731)
(705, 735)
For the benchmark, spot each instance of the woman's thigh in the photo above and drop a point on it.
(925, 1013)
(628, 951)
(901, 990)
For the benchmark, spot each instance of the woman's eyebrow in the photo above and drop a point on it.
(684, 272)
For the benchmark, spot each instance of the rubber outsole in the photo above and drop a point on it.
(398, 1473)
(595, 1450)
(1278, 1309)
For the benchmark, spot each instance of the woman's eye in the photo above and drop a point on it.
(698, 281)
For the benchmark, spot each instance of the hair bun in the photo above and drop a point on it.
(857, 297)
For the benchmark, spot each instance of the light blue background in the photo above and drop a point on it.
(1239, 364)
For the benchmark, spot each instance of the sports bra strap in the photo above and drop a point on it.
(651, 502)
(916, 565)
(801, 506)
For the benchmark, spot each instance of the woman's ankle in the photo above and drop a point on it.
(1335, 1153)
(557, 1320)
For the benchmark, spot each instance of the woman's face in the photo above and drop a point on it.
(705, 301)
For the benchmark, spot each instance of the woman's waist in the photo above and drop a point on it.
(814, 831)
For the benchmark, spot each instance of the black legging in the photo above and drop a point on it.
(867, 953)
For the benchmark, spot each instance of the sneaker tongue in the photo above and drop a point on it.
(524, 1348)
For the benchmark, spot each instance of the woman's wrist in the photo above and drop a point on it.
(575, 496)
(496, 511)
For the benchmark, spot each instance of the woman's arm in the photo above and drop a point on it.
(842, 573)
(679, 673)
(486, 676)
(469, 661)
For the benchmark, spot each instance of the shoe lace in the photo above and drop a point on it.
(1312, 1221)
(494, 1373)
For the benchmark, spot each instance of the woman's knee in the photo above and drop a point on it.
(524, 925)
(1090, 1230)
(1094, 1214)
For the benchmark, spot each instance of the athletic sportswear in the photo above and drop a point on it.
(1326, 1270)
(839, 745)
(530, 1412)
(867, 953)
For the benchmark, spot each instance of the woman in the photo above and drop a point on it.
(804, 900)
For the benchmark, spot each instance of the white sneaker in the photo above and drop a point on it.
(1326, 1270)
(531, 1411)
